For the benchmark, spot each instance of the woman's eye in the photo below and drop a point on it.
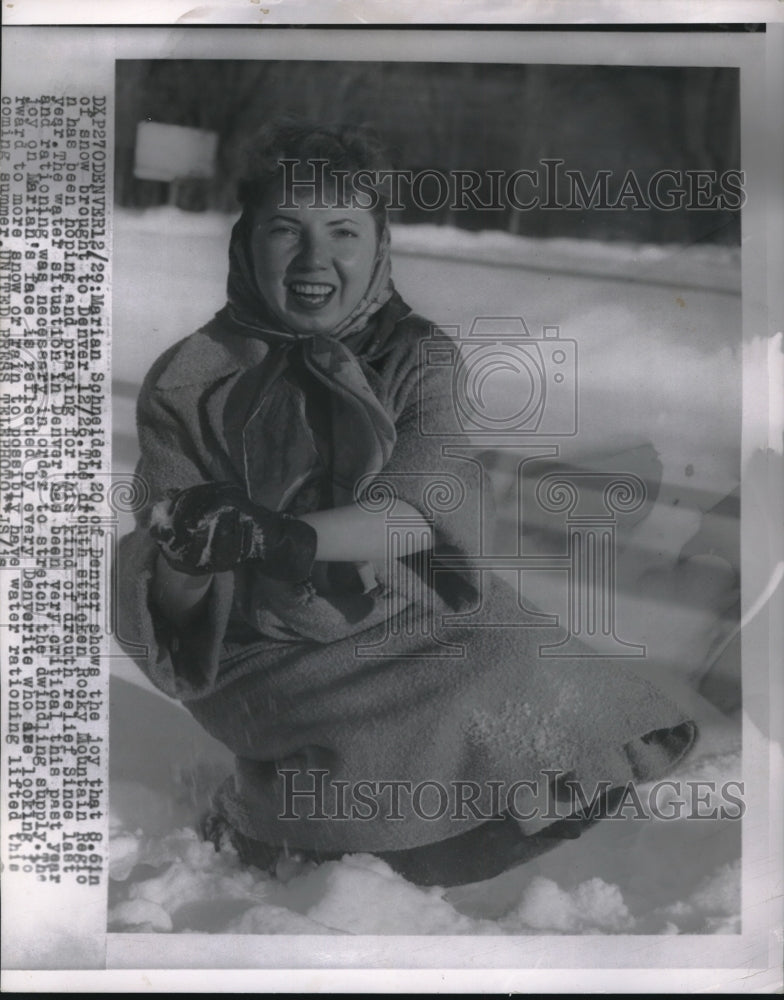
(344, 232)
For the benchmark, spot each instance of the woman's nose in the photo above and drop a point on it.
(312, 254)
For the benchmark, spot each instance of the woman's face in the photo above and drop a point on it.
(313, 265)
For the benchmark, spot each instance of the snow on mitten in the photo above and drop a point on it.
(213, 527)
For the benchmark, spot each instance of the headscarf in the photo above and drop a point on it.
(307, 410)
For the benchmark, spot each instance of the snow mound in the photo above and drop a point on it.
(349, 895)
(593, 907)
(183, 877)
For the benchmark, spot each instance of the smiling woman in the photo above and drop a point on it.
(284, 576)
(313, 265)
(314, 253)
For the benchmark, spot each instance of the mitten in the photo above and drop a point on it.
(213, 527)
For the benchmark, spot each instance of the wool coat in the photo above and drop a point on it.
(343, 703)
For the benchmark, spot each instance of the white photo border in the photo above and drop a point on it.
(740, 963)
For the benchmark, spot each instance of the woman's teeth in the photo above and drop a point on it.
(313, 293)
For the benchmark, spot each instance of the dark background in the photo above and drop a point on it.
(459, 116)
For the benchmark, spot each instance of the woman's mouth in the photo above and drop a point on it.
(311, 294)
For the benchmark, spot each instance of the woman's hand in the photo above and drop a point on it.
(213, 527)
(352, 534)
(180, 596)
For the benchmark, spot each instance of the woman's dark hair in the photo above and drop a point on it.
(347, 149)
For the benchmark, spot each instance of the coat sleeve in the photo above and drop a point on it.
(181, 665)
(436, 469)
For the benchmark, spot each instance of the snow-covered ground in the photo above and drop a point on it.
(624, 876)
(659, 353)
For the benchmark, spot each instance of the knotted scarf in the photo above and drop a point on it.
(307, 411)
